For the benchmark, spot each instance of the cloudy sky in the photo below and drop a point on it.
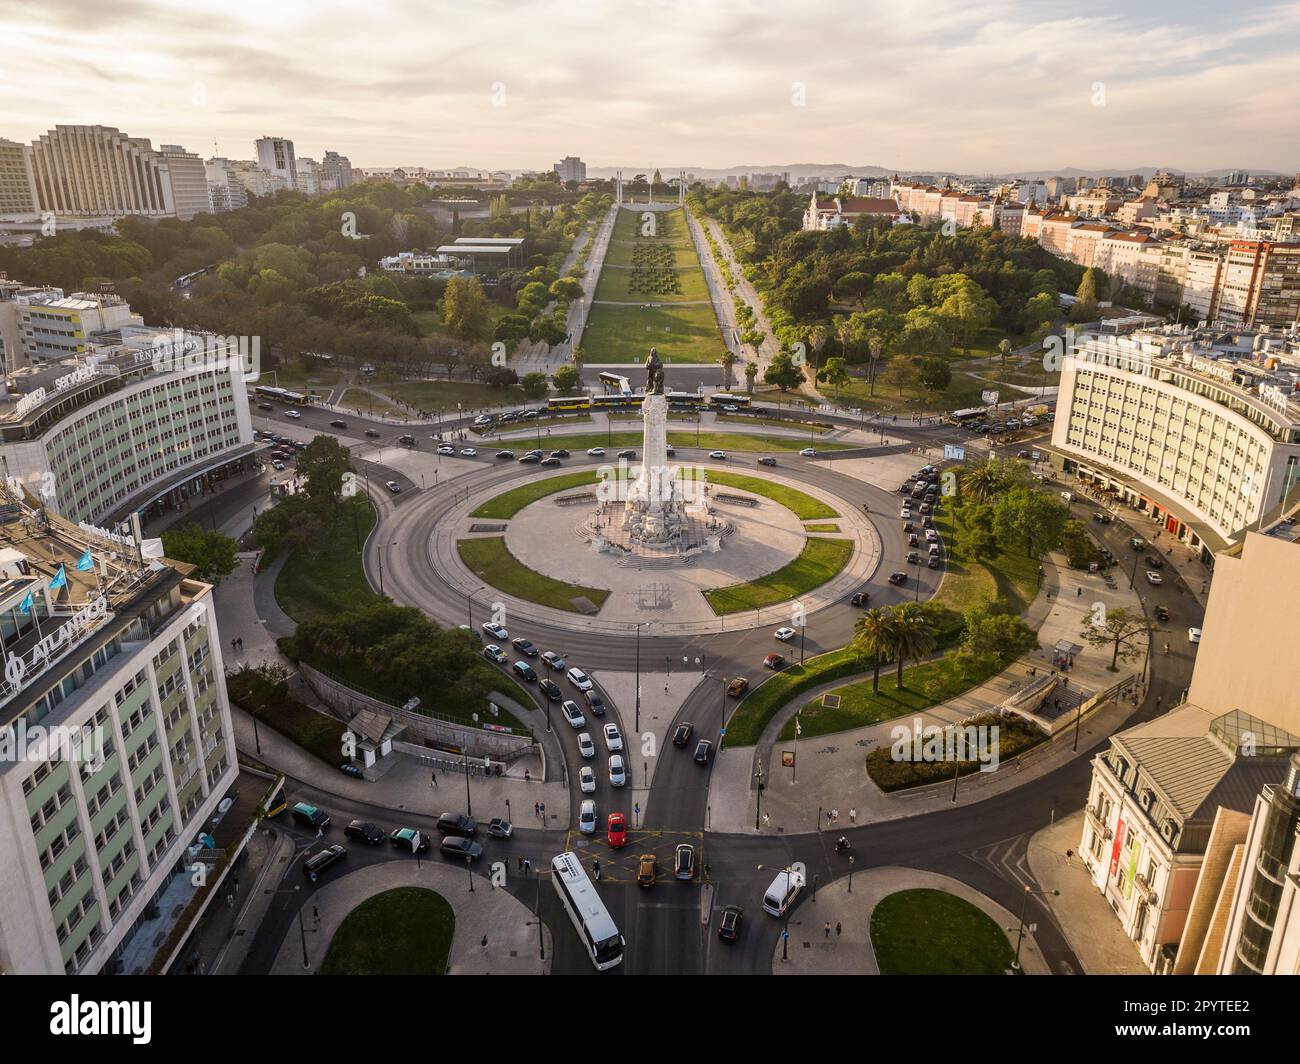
(988, 86)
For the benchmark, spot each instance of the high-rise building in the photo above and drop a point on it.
(1260, 284)
(17, 190)
(335, 172)
(308, 176)
(98, 170)
(275, 155)
(571, 168)
(189, 181)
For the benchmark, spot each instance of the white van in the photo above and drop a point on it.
(783, 891)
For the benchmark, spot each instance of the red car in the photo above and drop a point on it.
(616, 831)
(774, 661)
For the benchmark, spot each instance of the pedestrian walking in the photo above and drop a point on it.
(853, 816)
(483, 943)
(543, 809)
(537, 809)
(230, 899)
(828, 929)
(839, 929)
(528, 865)
(433, 778)
(527, 776)
(315, 915)
(519, 864)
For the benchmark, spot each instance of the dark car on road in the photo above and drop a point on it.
(595, 703)
(310, 816)
(898, 579)
(525, 646)
(465, 849)
(765, 461)
(524, 671)
(684, 861)
(372, 433)
(505, 454)
(530, 459)
(729, 923)
(703, 752)
(683, 734)
(860, 598)
(410, 840)
(1162, 613)
(628, 453)
(551, 690)
(560, 452)
(551, 462)
(1155, 561)
(365, 831)
(457, 824)
(318, 862)
(338, 424)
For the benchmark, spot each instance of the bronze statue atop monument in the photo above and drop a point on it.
(654, 374)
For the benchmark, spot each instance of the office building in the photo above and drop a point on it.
(17, 189)
(335, 172)
(98, 170)
(571, 168)
(275, 155)
(189, 181)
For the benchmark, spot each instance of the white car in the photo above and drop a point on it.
(447, 448)
(1193, 635)
(496, 631)
(468, 452)
(573, 714)
(613, 738)
(482, 419)
(587, 780)
(1154, 578)
(585, 746)
(905, 514)
(722, 455)
(785, 634)
(595, 452)
(617, 774)
(587, 817)
(808, 452)
(295, 414)
(579, 679)
(931, 535)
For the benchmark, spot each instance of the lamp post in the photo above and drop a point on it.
(469, 605)
(1020, 934)
(850, 873)
(638, 675)
(469, 811)
(758, 812)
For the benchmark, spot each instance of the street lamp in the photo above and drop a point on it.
(469, 605)
(758, 812)
(1020, 935)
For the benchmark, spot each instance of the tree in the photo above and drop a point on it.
(913, 635)
(323, 462)
(1004, 349)
(568, 381)
(835, 373)
(900, 371)
(1085, 304)
(782, 372)
(510, 329)
(935, 374)
(566, 289)
(534, 385)
(1025, 515)
(211, 553)
(1120, 630)
(999, 635)
(751, 374)
(728, 359)
(874, 641)
(464, 308)
(987, 480)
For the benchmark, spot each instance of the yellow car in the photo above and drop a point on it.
(738, 687)
(646, 869)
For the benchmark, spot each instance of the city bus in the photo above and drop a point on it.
(616, 382)
(964, 417)
(685, 401)
(718, 399)
(282, 395)
(568, 402)
(595, 927)
(617, 402)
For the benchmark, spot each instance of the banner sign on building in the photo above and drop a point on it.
(953, 451)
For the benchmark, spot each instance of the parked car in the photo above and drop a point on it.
(613, 738)
(524, 671)
(496, 631)
(616, 831)
(684, 861)
(1193, 635)
(409, 840)
(321, 860)
(729, 923)
(587, 817)
(585, 746)
(934, 562)
(466, 849)
(551, 690)
(457, 824)
(617, 771)
(349, 769)
(682, 735)
(572, 713)
(737, 687)
(647, 869)
(905, 513)
(703, 752)
(365, 831)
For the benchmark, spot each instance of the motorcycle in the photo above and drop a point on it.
(842, 845)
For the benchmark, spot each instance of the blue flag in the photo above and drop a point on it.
(60, 579)
(86, 561)
(26, 605)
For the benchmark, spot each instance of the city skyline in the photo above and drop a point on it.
(707, 89)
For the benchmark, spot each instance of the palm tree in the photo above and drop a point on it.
(983, 482)
(876, 345)
(874, 639)
(751, 374)
(728, 360)
(913, 636)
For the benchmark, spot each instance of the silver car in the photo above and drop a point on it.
(613, 738)
(617, 774)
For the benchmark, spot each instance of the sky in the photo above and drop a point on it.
(916, 85)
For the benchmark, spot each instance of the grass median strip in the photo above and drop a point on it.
(490, 559)
(509, 503)
(817, 563)
(931, 932)
(753, 713)
(803, 505)
(821, 528)
(404, 931)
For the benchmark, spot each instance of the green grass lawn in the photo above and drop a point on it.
(444, 395)
(490, 560)
(622, 335)
(821, 528)
(803, 505)
(819, 561)
(924, 686)
(405, 931)
(429, 322)
(617, 284)
(967, 581)
(761, 705)
(818, 429)
(962, 391)
(506, 505)
(329, 580)
(932, 932)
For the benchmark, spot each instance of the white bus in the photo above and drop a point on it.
(586, 910)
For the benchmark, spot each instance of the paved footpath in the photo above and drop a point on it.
(512, 939)
(830, 773)
(813, 952)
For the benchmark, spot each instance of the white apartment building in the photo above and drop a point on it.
(275, 155)
(17, 189)
(571, 168)
(1203, 445)
(189, 181)
(308, 171)
(122, 669)
(53, 328)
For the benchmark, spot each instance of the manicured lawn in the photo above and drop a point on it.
(621, 335)
(817, 563)
(329, 580)
(962, 391)
(967, 581)
(405, 931)
(444, 395)
(932, 932)
(1014, 737)
(821, 528)
(818, 429)
(618, 284)
(803, 505)
(708, 441)
(761, 705)
(509, 503)
(490, 560)
(429, 322)
(924, 686)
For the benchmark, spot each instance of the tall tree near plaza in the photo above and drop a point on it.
(874, 640)
(464, 308)
(914, 636)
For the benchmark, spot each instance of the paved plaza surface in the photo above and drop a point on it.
(814, 952)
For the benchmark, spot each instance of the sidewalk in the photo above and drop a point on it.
(830, 773)
(813, 952)
(511, 931)
(1085, 918)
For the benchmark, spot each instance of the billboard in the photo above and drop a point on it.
(989, 397)
(951, 450)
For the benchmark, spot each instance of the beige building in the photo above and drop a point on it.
(98, 170)
(189, 181)
(17, 190)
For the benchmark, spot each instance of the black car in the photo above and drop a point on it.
(861, 598)
(457, 824)
(365, 831)
(265, 406)
(310, 816)
(1162, 613)
(551, 462)
(913, 558)
(529, 459)
(372, 433)
(628, 453)
(551, 690)
(465, 849)
(525, 646)
(934, 562)
(1155, 561)
(684, 861)
(338, 424)
(408, 441)
(349, 769)
(318, 862)
(505, 454)
(410, 840)
(683, 734)
(729, 923)
(1102, 517)
(595, 703)
(767, 461)
(524, 671)
(561, 453)
(703, 751)
(897, 578)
